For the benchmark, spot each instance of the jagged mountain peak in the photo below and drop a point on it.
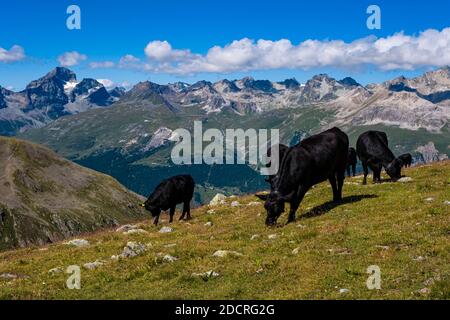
(350, 82)
(60, 73)
(291, 83)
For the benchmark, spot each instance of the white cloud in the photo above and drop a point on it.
(70, 59)
(399, 51)
(108, 84)
(16, 53)
(101, 64)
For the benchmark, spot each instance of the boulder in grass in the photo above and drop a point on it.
(219, 199)
(78, 243)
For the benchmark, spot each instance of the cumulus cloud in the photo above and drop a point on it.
(102, 64)
(399, 51)
(16, 53)
(70, 59)
(108, 84)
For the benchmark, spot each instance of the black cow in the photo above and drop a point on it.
(352, 160)
(374, 153)
(282, 149)
(314, 160)
(169, 193)
(406, 159)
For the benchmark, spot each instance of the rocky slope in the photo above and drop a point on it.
(45, 198)
(56, 94)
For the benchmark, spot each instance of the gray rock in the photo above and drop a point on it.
(165, 230)
(169, 258)
(209, 224)
(93, 265)
(135, 231)
(132, 249)
(55, 271)
(78, 243)
(225, 253)
(127, 227)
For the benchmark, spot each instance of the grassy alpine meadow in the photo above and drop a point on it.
(403, 228)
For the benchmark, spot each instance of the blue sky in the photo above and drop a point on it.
(113, 29)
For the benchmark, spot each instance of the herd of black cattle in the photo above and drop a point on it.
(321, 157)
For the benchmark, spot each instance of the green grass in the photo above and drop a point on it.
(389, 225)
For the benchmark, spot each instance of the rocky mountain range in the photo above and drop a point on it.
(131, 139)
(421, 102)
(56, 94)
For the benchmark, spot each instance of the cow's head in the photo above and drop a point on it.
(274, 206)
(154, 210)
(394, 169)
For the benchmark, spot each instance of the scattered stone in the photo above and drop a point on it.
(296, 251)
(209, 224)
(301, 226)
(132, 249)
(8, 276)
(429, 199)
(43, 249)
(93, 265)
(382, 247)
(78, 243)
(424, 291)
(405, 179)
(55, 271)
(211, 211)
(259, 270)
(447, 202)
(419, 258)
(225, 253)
(135, 231)
(218, 199)
(165, 230)
(343, 290)
(169, 258)
(127, 227)
(253, 204)
(235, 204)
(254, 237)
(206, 275)
(272, 236)
(340, 251)
(170, 245)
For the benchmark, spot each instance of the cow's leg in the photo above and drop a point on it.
(295, 204)
(340, 182)
(354, 169)
(184, 211)
(334, 186)
(348, 170)
(366, 172)
(155, 220)
(377, 174)
(171, 214)
(187, 209)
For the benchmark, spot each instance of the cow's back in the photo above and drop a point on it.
(176, 189)
(314, 159)
(374, 145)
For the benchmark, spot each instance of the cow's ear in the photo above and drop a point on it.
(261, 196)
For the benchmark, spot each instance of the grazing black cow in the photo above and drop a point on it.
(282, 149)
(352, 160)
(406, 159)
(374, 153)
(314, 160)
(169, 193)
